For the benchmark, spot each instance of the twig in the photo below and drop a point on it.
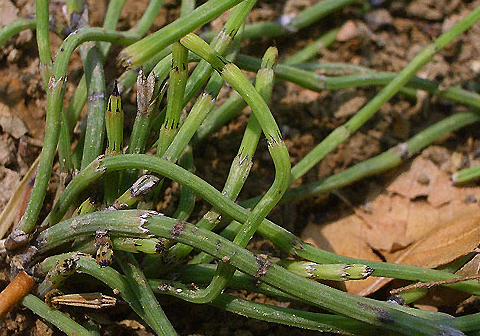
(20, 286)
(433, 284)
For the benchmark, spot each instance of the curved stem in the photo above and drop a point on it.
(128, 222)
(282, 238)
(43, 41)
(16, 27)
(139, 52)
(54, 316)
(318, 83)
(55, 96)
(144, 294)
(278, 151)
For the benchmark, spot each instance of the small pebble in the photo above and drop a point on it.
(378, 18)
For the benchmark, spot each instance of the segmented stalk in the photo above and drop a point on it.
(176, 91)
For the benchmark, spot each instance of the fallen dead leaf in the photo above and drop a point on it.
(470, 268)
(420, 219)
(445, 243)
(387, 224)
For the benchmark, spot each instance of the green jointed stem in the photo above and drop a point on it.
(149, 15)
(380, 163)
(43, 41)
(64, 152)
(411, 296)
(129, 222)
(76, 19)
(234, 77)
(202, 274)
(107, 275)
(467, 323)
(110, 21)
(466, 175)
(187, 7)
(220, 116)
(96, 91)
(144, 294)
(294, 317)
(301, 319)
(136, 245)
(318, 83)
(187, 196)
(203, 70)
(127, 244)
(139, 52)
(220, 43)
(27, 223)
(270, 313)
(54, 316)
(145, 103)
(203, 105)
(200, 110)
(111, 18)
(16, 27)
(315, 13)
(87, 176)
(365, 113)
(92, 59)
(313, 48)
(176, 91)
(286, 25)
(282, 238)
(235, 104)
(333, 68)
(114, 119)
(387, 160)
(334, 272)
(242, 162)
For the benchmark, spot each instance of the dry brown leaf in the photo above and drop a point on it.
(470, 268)
(443, 244)
(387, 223)
(425, 179)
(422, 220)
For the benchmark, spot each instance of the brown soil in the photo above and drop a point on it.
(385, 38)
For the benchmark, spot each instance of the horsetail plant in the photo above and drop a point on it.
(114, 118)
(139, 251)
